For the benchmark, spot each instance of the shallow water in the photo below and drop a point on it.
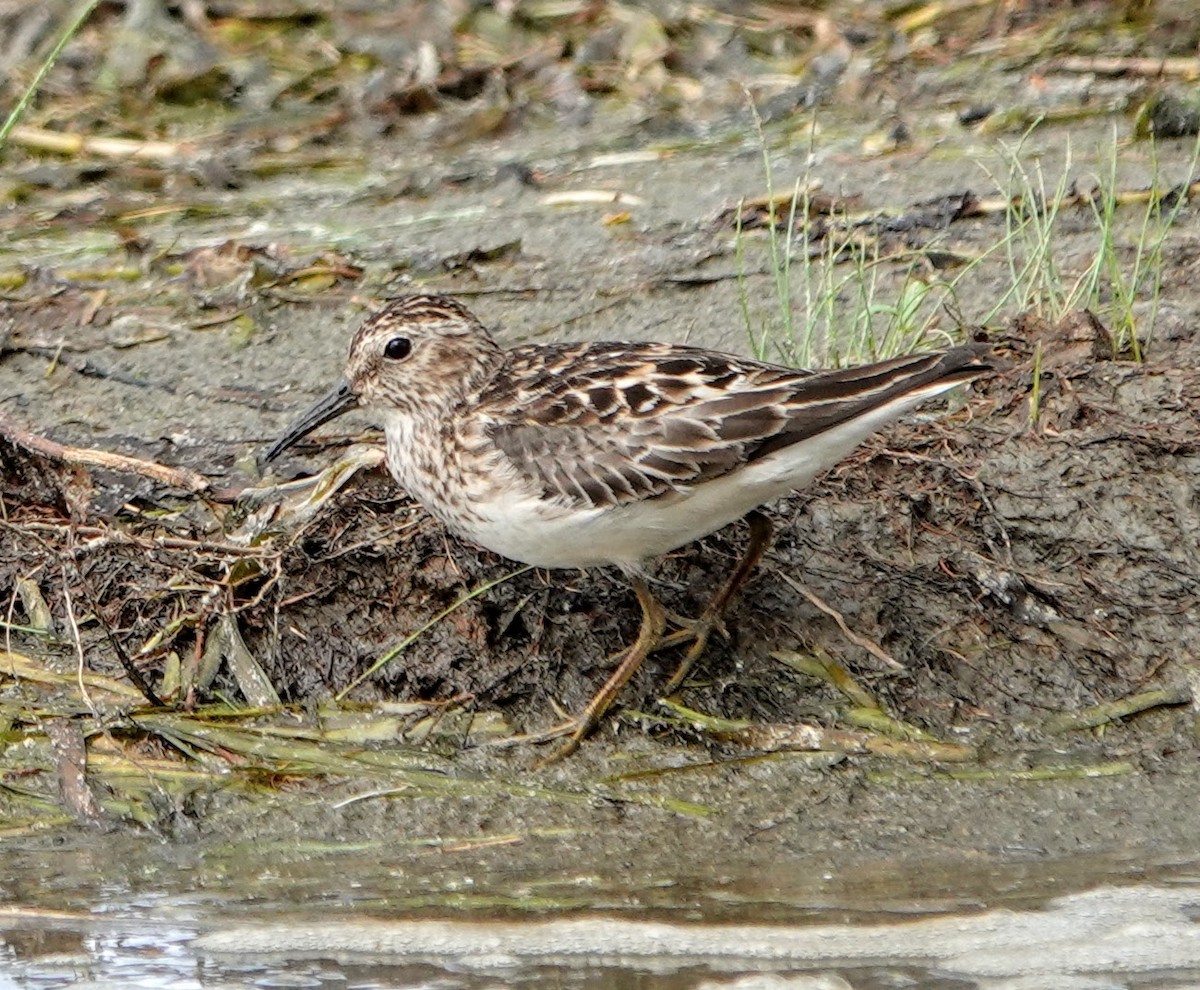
(759, 894)
(108, 914)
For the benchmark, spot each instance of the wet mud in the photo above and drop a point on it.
(1025, 553)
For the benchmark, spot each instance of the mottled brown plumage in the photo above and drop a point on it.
(604, 424)
(578, 455)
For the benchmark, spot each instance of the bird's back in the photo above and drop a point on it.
(606, 424)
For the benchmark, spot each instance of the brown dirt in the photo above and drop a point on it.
(1013, 572)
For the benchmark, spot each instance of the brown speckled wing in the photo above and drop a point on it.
(604, 424)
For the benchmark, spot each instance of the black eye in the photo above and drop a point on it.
(397, 348)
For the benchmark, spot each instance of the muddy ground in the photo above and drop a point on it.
(1018, 567)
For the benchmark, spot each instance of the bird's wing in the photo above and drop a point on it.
(604, 424)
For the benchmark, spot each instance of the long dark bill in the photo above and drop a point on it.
(337, 401)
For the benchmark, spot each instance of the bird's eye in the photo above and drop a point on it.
(397, 348)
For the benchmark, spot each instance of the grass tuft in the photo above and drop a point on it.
(861, 300)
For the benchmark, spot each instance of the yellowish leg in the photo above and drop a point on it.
(698, 630)
(650, 639)
(654, 621)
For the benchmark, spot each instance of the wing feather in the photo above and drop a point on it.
(604, 424)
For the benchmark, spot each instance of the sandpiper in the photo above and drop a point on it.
(583, 455)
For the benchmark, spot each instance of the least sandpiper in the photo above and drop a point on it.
(583, 455)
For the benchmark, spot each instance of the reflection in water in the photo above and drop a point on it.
(1132, 936)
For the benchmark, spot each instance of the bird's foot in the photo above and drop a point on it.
(693, 631)
(698, 630)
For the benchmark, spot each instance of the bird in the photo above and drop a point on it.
(584, 455)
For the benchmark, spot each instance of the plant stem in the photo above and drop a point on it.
(77, 22)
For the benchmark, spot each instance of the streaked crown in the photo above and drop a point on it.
(420, 353)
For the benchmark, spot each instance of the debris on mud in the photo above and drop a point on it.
(199, 193)
(1028, 578)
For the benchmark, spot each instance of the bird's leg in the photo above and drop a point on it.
(653, 623)
(698, 630)
(650, 639)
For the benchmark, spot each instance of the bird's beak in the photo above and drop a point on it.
(338, 400)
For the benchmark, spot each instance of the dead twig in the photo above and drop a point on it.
(1114, 711)
(877, 651)
(1185, 68)
(99, 533)
(86, 457)
(771, 737)
(131, 671)
(104, 147)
